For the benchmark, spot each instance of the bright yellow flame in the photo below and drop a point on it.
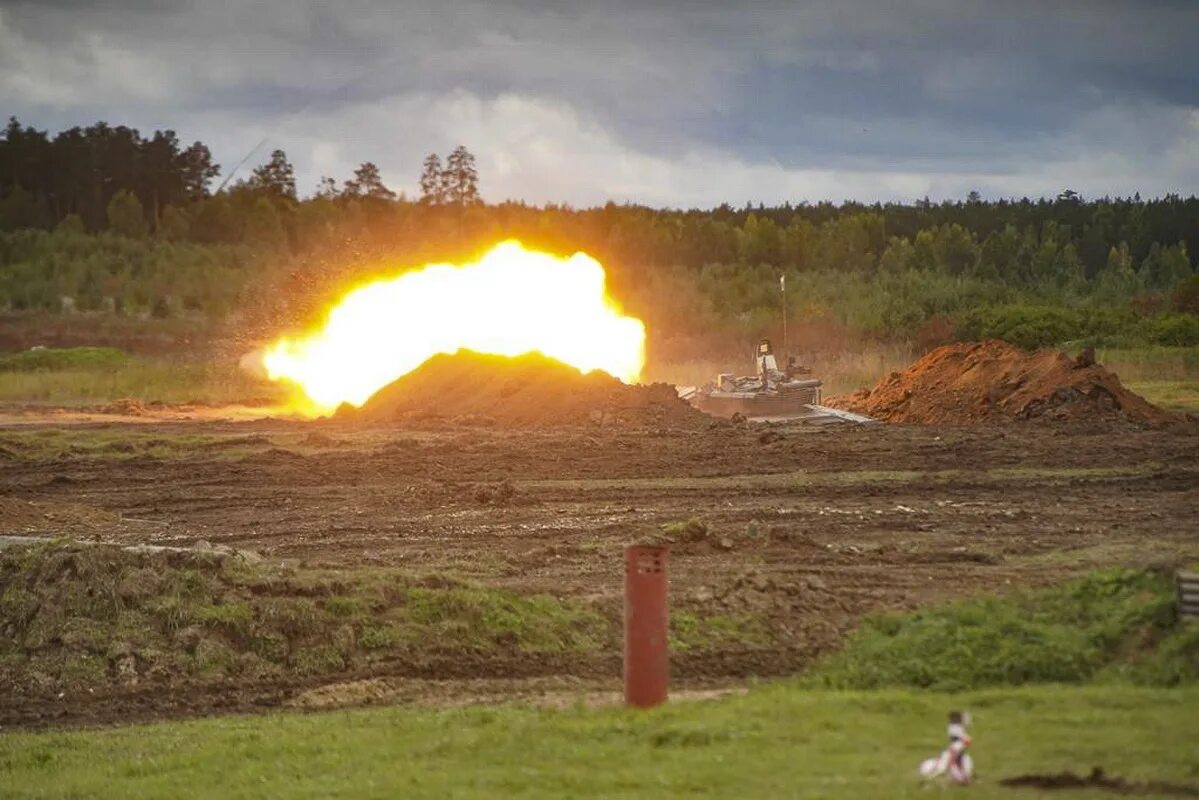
(510, 302)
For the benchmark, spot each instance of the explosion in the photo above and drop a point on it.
(510, 302)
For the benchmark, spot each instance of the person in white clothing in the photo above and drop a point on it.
(954, 761)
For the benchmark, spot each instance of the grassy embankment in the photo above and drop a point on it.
(797, 738)
(78, 617)
(73, 617)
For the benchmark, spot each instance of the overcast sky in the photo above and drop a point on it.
(665, 103)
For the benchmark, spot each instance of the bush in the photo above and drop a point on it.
(1121, 623)
(1185, 297)
(1176, 330)
(1029, 327)
(126, 217)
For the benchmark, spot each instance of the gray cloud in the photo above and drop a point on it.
(682, 103)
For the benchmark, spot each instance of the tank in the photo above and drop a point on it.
(772, 392)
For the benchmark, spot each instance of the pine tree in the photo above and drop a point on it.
(1117, 280)
(461, 178)
(327, 188)
(126, 217)
(276, 177)
(432, 181)
(367, 182)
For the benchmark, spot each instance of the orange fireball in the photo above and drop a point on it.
(510, 302)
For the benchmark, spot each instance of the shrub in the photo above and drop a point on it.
(1119, 622)
(1185, 297)
(1177, 330)
(1029, 327)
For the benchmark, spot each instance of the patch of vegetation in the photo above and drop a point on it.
(690, 631)
(776, 741)
(485, 618)
(48, 358)
(86, 376)
(1174, 395)
(122, 443)
(690, 530)
(80, 615)
(1119, 625)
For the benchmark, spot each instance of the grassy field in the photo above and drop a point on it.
(1168, 376)
(1174, 395)
(777, 741)
(95, 375)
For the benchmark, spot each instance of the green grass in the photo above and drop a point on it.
(1165, 376)
(48, 359)
(89, 376)
(777, 741)
(1116, 625)
(1174, 395)
(1138, 364)
(690, 631)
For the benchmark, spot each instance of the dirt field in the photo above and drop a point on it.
(803, 530)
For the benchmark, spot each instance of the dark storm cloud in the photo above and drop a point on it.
(669, 103)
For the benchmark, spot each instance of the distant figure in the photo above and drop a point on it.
(1086, 358)
(954, 760)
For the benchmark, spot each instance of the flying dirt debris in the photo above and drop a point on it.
(770, 394)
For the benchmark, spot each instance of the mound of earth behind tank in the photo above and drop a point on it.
(530, 389)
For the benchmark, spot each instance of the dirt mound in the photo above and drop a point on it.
(993, 381)
(526, 390)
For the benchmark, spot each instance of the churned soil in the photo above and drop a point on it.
(531, 389)
(797, 536)
(994, 382)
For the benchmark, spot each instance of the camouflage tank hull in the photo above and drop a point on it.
(792, 398)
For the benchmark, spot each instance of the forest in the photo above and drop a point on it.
(104, 220)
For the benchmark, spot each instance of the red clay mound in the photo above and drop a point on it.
(527, 390)
(993, 381)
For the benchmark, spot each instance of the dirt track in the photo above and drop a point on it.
(809, 529)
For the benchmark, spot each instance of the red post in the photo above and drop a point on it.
(646, 624)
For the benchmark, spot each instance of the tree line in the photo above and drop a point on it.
(883, 270)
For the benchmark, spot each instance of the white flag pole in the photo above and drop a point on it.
(783, 291)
